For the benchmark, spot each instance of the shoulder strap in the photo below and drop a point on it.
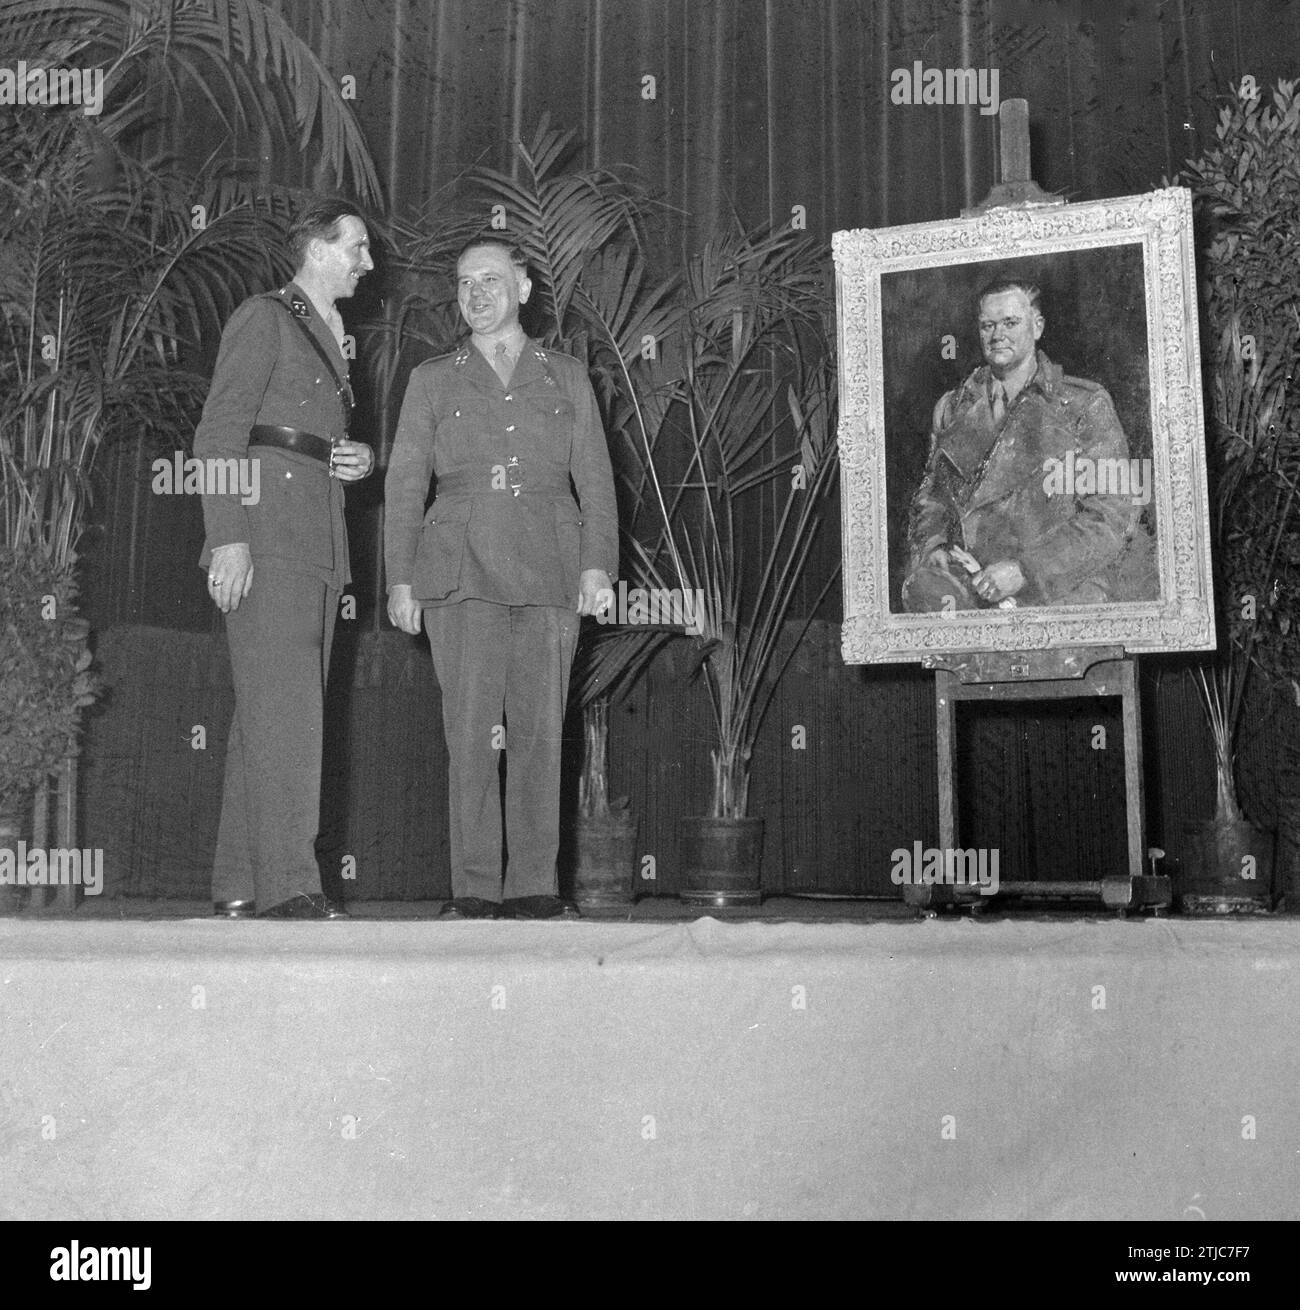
(341, 383)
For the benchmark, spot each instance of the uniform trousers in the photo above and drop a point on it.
(279, 640)
(504, 674)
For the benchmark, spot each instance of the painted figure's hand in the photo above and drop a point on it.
(999, 580)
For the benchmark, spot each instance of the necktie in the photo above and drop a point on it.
(502, 364)
(999, 404)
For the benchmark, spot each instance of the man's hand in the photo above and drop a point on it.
(404, 609)
(230, 575)
(595, 592)
(999, 580)
(350, 461)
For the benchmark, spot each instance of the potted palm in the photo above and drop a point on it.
(755, 399)
(46, 681)
(1248, 192)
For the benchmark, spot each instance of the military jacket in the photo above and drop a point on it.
(984, 489)
(268, 373)
(524, 497)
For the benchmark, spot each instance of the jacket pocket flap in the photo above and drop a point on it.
(449, 511)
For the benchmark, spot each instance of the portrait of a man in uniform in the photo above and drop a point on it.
(1029, 483)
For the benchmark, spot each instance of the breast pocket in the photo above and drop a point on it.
(549, 420)
(461, 430)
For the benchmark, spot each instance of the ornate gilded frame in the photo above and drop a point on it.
(1183, 616)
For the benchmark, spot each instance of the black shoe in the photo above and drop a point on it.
(306, 905)
(234, 909)
(470, 907)
(539, 907)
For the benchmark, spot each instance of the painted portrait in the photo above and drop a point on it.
(1021, 432)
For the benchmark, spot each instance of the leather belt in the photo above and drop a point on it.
(461, 482)
(305, 443)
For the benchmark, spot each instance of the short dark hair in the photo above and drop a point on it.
(319, 218)
(1001, 285)
(514, 251)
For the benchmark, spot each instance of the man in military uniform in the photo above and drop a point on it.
(499, 571)
(986, 526)
(276, 567)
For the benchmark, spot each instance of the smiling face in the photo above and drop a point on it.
(344, 261)
(489, 290)
(1009, 330)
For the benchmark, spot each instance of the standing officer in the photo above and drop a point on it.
(276, 568)
(501, 568)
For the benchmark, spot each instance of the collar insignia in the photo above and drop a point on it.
(299, 308)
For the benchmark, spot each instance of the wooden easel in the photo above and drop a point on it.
(1059, 674)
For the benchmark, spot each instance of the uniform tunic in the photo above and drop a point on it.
(983, 490)
(480, 539)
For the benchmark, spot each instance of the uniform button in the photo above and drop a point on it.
(288, 475)
(511, 428)
(509, 397)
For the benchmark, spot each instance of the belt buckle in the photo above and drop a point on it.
(514, 474)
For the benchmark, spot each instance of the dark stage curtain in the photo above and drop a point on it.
(758, 107)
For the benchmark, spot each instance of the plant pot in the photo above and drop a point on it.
(1214, 880)
(603, 872)
(13, 828)
(721, 861)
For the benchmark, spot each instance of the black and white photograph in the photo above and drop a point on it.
(622, 611)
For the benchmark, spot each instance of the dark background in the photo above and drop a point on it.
(1094, 307)
(761, 105)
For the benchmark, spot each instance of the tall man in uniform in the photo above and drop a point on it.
(984, 527)
(276, 568)
(499, 572)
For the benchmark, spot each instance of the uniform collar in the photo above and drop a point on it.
(965, 441)
(530, 365)
(301, 307)
(1046, 380)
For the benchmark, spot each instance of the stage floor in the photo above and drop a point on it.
(1045, 1067)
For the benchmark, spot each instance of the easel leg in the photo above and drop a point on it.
(927, 896)
(945, 708)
